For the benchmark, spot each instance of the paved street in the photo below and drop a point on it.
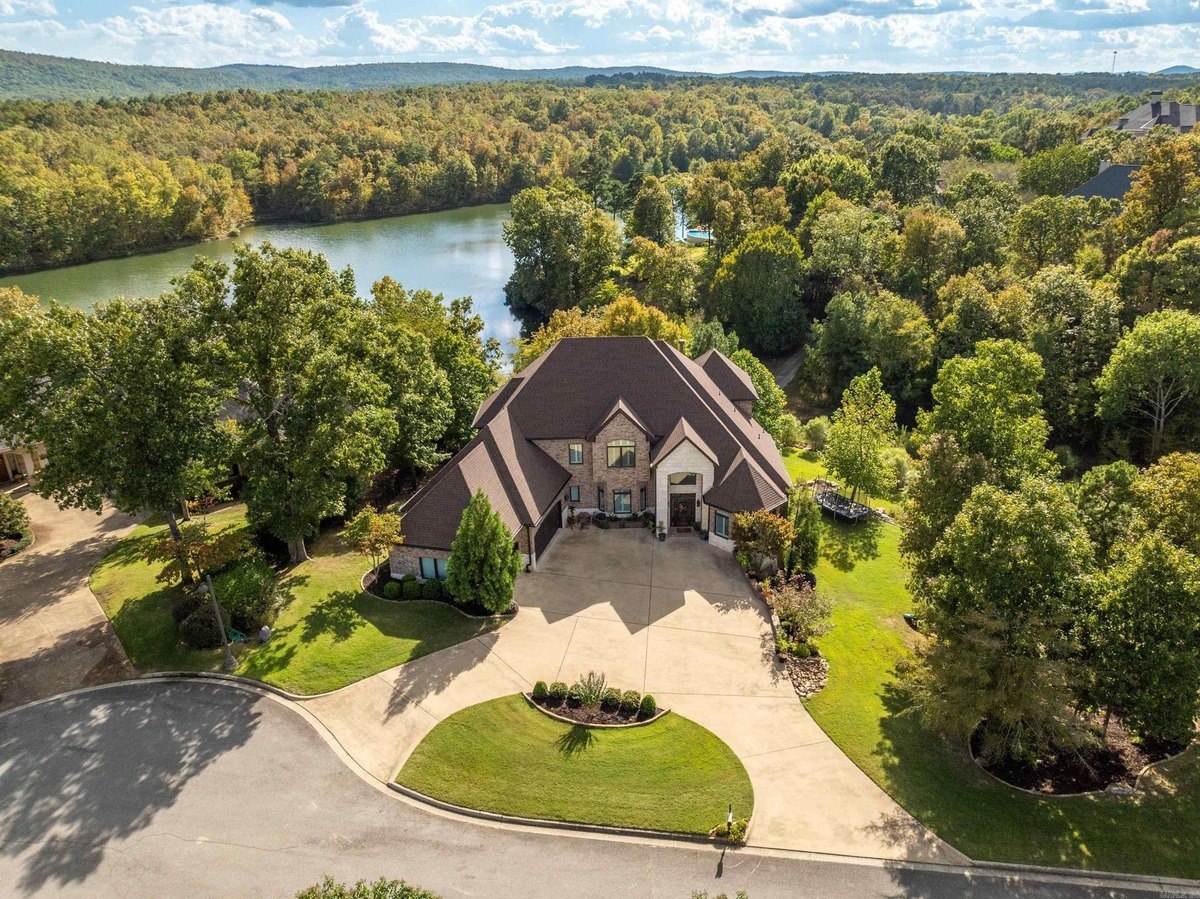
(161, 789)
(53, 633)
(675, 619)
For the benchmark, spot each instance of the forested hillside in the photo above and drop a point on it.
(89, 180)
(34, 76)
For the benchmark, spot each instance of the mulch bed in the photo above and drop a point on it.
(583, 715)
(1115, 764)
(374, 586)
(809, 675)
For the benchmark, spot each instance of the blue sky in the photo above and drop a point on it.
(708, 35)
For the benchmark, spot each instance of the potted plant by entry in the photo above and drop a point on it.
(662, 532)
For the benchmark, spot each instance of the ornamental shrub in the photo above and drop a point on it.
(558, 691)
(611, 701)
(540, 691)
(630, 701)
(392, 590)
(14, 524)
(591, 687)
(648, 708)
(431, 590)
(410, 589)
(199, 629)
(575, 696)
(248, 592)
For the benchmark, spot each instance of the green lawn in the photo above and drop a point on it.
(1157, 832)
(806, 465)
(503, 756)
(328, 634)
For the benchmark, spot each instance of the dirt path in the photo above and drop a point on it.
(53, 633)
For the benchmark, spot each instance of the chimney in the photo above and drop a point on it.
(1155, 98)
(1104, 164)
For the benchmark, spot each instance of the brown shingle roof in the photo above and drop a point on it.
(744, 488)
(733, 380)
(564, 394)
(519, 478)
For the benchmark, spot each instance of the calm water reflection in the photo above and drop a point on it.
(456, 253)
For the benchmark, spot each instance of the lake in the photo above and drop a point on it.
(458, 253)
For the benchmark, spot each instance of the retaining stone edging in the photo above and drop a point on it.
(565, 720)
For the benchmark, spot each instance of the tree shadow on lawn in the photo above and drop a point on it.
(576, 740)
(87, 770)
(845, 545)
(938, 783)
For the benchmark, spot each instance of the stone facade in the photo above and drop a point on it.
(594, 472)
(684, 459)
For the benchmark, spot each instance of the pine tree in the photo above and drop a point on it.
(484, 559)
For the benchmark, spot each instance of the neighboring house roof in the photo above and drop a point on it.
(569, 392)
(1111, 182)
(733, 380)
(681, 432)
(520, 479)
(1180, 116)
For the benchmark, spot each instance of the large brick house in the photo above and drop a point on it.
(614, 424)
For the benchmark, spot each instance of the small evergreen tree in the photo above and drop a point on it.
(484, 560)
(804, 549)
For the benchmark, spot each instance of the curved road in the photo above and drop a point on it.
(195, 789)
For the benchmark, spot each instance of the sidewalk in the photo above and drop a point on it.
(53, 634)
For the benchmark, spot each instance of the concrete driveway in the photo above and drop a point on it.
(676, 619)
(53, 634)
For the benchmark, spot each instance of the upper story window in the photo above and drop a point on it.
(621, 454)
(683, 478)
(575, 453)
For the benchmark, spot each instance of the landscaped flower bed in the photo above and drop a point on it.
(798, 616)
(15, 531)
(1114, 764)
(590, 700)
(379, 582)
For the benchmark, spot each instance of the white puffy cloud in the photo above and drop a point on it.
(712, 35)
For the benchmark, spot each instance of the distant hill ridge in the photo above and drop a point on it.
(39, 77)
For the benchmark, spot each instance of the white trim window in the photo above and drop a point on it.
(720, 524)
(433, 569)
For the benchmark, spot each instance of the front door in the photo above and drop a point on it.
(683, 510)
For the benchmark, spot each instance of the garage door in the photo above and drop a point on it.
(547, 529)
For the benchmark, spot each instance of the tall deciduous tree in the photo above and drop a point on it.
(1107, 500)
(1168, 493)
(314, 417)
(1147, 640)
(1011, 581)
(563, 247)
(652, 215)
(863, 427)
(1153, 370)
(757, 291)
(484, 560)
(907, 167)
(124, 399)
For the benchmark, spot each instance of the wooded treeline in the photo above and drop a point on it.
(87, 180)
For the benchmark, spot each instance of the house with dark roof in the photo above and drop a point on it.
(1179, 116)
(1112, 182)
(620, 425)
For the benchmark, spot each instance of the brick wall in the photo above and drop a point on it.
(595, 473)
(404, 560)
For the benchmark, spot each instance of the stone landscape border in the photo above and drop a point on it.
(565, 720)
(1107, 791)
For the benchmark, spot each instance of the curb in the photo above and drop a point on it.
(234, 679)
(565, 720)
(577, 827)
(1193, 886)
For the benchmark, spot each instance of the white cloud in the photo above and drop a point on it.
(27, 7)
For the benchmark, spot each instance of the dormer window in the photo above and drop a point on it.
(621, 454)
